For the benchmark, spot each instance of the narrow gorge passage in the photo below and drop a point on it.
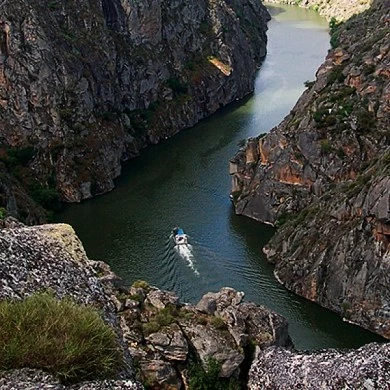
(184, 181)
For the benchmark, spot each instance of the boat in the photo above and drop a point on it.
(179, 236)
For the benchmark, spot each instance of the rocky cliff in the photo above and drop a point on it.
(340, 10)
(166, 343)
(322, 175)
(85, 85)
(159, 336)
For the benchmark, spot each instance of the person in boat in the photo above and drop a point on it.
(177, 231)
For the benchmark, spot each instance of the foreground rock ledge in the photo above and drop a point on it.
(152, 326)
(365, 368)
(159, 332)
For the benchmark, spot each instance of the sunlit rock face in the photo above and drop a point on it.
(85, 85)
(322, 176)
(338, 9)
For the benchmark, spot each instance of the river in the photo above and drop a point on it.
(184, 182)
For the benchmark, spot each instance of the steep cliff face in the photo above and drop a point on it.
(85, 85)
(323, 176)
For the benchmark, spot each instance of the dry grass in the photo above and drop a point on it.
(61, 337)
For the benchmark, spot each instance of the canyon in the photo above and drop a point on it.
(322, 176)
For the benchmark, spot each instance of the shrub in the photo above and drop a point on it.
(218, 322)
(341, 153)
(208, 379)
(141, 284)
(308, 83)
(167, 315)
(20, 156)
(47, 197)
(325, 147)
(3, 212)
(61, 337)
(201, 320)
(177, 86)
(150, 327)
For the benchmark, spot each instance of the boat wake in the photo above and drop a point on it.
(185, 251)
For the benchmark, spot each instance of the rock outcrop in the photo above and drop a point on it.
(164, 335)
(366, 368)
(159, 335)
(340, 10)
(322, 175)
(85, 85)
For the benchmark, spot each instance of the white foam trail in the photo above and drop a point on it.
(185, 251)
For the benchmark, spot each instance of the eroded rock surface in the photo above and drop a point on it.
(158, 335)
(322, 175)
(279, 369)
(85, 85)
(163, 334)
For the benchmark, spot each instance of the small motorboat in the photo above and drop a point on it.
(179, 236)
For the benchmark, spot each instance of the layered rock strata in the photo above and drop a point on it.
(85, 85)
(322, 175)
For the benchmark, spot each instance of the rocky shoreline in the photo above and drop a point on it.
(322, 176)
(85, 85)
(162, 338)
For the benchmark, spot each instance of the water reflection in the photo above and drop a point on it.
(184, 182)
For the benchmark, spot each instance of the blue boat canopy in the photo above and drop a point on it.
(180, 231)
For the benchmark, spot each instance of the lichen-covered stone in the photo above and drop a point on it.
(29, 379)
(52, 258)
(280, 369)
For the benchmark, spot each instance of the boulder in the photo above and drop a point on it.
(365, 368)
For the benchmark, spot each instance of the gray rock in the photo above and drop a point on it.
(29, 379)
(160, 299)
(170, 342)
(277, 368)
(161, 373)
(209, 343)
(322, 176)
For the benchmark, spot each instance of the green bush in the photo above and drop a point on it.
(47, 197)
(177, 86)
(150, 327)
(19, 156)
(141, 284)
(201, 320)
(218, 322)
(201, 379)
(61, 337)
(325, 147)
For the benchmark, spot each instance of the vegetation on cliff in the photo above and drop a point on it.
(68, 340)
(323, 176)
(85, 85)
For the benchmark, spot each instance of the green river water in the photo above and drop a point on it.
(184, 181)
